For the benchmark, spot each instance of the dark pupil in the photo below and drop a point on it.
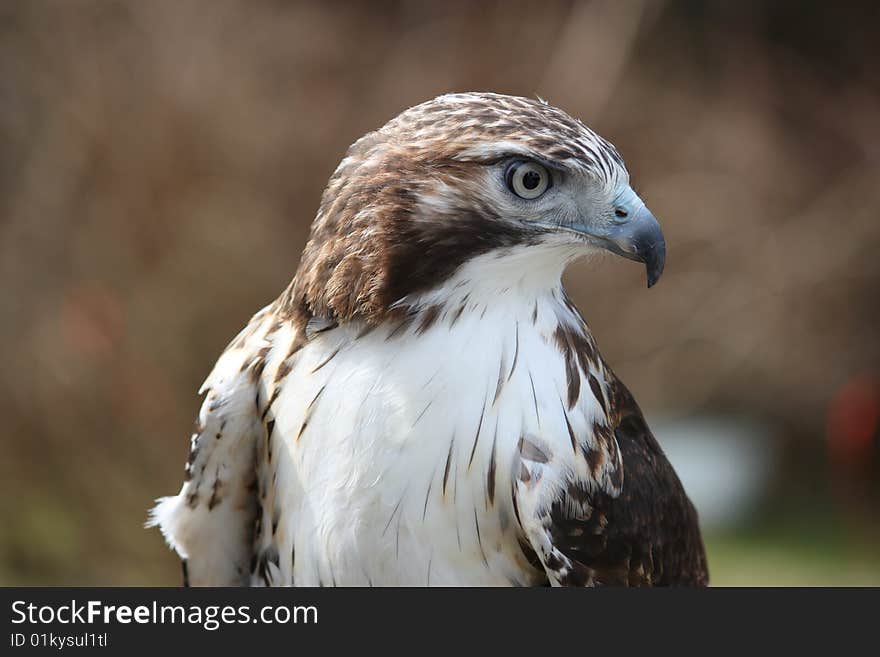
(531, 180)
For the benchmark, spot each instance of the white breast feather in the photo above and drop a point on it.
(360, 489)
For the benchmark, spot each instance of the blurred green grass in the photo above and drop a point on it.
(792, 556)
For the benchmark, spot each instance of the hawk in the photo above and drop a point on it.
(423, 404)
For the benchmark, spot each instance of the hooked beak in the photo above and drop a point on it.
(633, 233)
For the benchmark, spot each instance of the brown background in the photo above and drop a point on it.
(160, 163)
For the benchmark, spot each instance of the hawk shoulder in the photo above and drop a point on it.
(210, 522)
(636, 529)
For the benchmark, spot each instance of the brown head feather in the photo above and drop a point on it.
(375, 241)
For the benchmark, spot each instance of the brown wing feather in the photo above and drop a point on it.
(649, 534)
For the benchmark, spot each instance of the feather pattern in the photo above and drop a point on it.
(210, 521)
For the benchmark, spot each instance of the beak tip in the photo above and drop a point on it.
(654, 265)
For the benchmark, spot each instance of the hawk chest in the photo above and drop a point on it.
(391, 454)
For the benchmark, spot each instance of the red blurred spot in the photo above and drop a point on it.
(91, 320)
(142, 391)
(853, 417)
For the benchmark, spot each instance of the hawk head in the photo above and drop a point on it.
(512, 180)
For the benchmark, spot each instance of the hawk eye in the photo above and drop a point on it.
(528, 180)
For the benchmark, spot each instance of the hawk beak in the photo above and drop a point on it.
(633, 233)
(642, 240)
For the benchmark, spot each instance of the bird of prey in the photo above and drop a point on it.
(423, 404)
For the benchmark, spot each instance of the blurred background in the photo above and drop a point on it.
(160, 164)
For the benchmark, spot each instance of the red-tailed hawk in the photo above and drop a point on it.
(424, 405)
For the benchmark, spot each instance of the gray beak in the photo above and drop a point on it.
(642, 240)
(633, 233)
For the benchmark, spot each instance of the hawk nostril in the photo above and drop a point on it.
(620, 212)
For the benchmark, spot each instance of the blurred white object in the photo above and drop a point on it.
(724, 463)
